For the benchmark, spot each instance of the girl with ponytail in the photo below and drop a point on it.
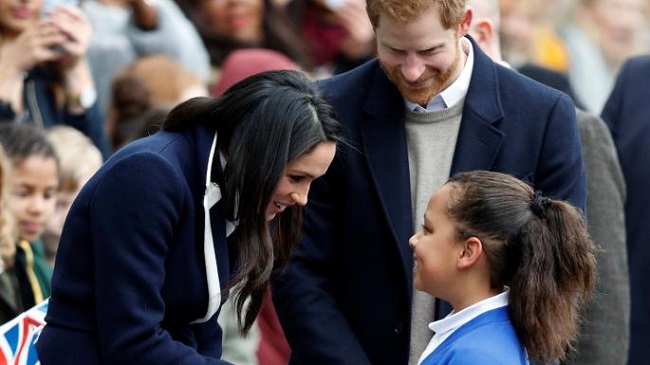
(517, 268)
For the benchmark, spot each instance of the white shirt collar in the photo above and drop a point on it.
(454, 320)
(443, 328)
(456, 91)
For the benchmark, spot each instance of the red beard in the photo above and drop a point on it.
(433, 80)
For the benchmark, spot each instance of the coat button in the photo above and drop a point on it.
(399, 327)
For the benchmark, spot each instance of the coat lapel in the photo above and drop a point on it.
(203, 140)
(479, 139)
(214, 258)
(384, 140)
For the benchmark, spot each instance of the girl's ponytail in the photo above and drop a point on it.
(538, 247)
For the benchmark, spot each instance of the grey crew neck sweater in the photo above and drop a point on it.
(431, 139)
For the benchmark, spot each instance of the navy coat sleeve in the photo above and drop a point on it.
(560, 171)
(130, 262)
(129, 215)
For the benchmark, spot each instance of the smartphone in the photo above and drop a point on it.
(48, 5)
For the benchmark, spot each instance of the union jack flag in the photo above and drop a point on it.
(18, 336)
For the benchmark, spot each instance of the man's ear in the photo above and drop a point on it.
(465, 22)
(470, 253)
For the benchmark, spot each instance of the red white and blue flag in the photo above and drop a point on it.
(18, 336)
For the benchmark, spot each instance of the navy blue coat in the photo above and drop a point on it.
(130, 273)
(628, 117)
(345, 298)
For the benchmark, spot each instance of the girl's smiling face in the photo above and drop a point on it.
(34, 184)
(436, 247)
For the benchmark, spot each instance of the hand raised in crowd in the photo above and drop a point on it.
(62, 36)
(34, 45)
(71, 22)
(73, 33)
(20, 54)
(359, 41)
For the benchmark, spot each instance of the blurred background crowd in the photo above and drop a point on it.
(79, 81)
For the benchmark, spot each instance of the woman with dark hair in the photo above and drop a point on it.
(228, 25)
(516, 266)
(158, 236)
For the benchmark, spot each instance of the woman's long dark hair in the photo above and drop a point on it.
(263, 122)
(538, 247)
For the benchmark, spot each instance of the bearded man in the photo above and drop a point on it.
(430, 105)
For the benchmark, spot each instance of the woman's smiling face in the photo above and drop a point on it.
(294, 184)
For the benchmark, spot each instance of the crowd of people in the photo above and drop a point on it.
(474, 171)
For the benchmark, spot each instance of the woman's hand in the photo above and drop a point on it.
(74, 26)
(76, 31)
(19, 55)
(34, 45)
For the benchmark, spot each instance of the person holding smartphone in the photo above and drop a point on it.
(45, 78)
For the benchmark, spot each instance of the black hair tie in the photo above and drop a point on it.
(539, 204)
